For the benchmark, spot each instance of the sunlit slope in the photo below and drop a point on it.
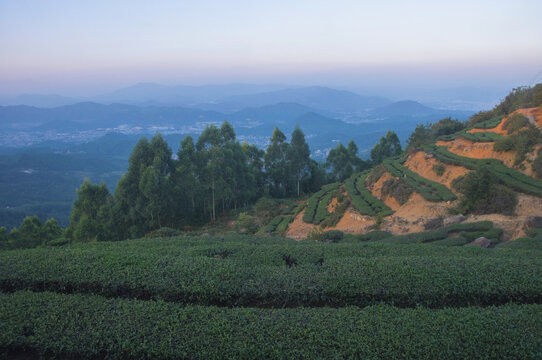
(403, 194)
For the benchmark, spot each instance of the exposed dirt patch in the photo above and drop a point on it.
(298, 229)
(354, 223)
(423, 163)
(376, 190)
(417, 207)
(332, 205)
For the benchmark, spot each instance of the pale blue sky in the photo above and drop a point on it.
(90, 46)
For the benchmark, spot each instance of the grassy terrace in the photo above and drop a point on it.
(507, 176)
(430, 190)
(362, 199)
(474, 137)
(316, 210)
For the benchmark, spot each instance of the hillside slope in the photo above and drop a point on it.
(420, 191)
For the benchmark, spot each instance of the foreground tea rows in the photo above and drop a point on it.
(86, 326)
(239, 271)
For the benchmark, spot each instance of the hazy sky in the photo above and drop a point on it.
(84, 47)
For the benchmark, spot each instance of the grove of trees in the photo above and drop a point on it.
(206, 179)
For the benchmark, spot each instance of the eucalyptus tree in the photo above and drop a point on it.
(276, 163)
(298, 157)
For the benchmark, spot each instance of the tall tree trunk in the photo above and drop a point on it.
(213, 188)
(193, 204)
(298, 187)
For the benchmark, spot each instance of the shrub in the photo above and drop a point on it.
(433, 224)
(522, 142)
(374, 235)
(439, 169)
(163, 232)
(333, 235)
(336, 216)
(482, 195)
(375, 174)
(58, 242)
(515, 122)
(537, 165)
(397, 189)
(316, 234)
(451, 241)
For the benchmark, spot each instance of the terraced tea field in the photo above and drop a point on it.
(263, 297)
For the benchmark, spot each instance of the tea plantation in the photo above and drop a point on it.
(263, 297)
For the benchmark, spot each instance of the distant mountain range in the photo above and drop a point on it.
(325, 99)
(88, 116)
(222, 98)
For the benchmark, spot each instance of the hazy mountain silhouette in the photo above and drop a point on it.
(316, 97)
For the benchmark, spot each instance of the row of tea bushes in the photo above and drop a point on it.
(92, 327)
(362, 199)
(505, 175)
(219, 273)
(430, 190)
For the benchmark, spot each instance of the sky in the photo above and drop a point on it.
(75, 47)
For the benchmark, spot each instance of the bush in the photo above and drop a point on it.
(163, 232)
(522, 142)
(374, 235)
(482, 195)
(248, 223)
(537, 165)
(333, 235)
(451, 241)
(433, 224)
(375, 174)
(336, 216)
(515, 122)
(58, 242)
(397, 189)
(439, 169)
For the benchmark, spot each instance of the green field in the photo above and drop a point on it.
(254, 297)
